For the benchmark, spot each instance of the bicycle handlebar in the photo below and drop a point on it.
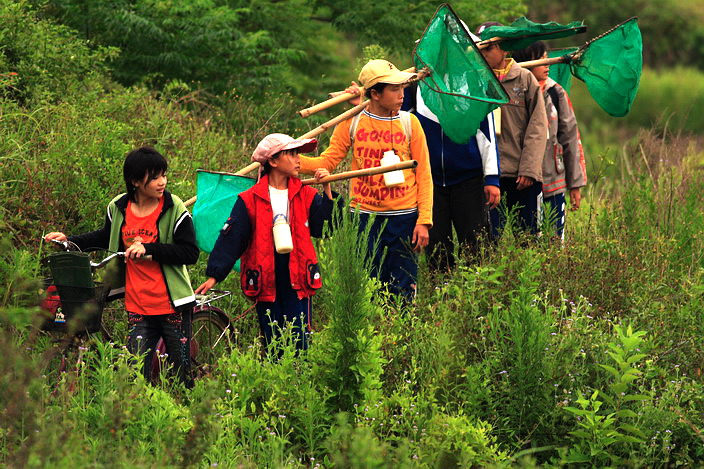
(212, 295)
(97, 265)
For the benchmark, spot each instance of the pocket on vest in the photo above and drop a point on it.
(252, 280)
(313, 279)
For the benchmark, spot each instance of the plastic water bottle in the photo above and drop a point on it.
(392, 178)
(282, 234)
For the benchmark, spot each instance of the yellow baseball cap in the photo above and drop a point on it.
(382, 71)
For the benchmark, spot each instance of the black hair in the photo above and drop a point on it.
(534, 51)
(266, 167)
(139, 163)
(379, 88)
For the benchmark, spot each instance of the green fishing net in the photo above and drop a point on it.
(610, 65)
(461, 89)
(561, 73)
(524, 32)
(217, 194)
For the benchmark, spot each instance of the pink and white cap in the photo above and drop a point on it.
(274, 143)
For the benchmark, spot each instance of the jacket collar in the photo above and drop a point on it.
(513, 72)
(121, 203)
(261, 189)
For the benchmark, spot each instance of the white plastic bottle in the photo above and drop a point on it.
(392, 178)
(282, 235)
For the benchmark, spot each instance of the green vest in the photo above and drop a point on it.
(178, 283)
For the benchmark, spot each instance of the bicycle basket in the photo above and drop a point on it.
(80, 309)
(71, 269)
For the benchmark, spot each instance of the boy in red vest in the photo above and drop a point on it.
(281, 283)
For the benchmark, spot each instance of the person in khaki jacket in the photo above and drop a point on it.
(563, 166)
(522, 140)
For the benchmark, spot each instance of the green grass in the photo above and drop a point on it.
(508, 360)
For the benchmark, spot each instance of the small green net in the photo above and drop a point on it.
(217, 194)
(561, 73)
(611, 65)
(461, 89)
(524, 32)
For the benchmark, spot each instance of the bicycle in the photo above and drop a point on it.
(212, 328)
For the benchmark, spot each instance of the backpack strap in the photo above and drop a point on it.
(353, 127)
(555, 96)
(404, 116)
(406, 124)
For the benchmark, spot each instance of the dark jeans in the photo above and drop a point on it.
(463, 206)
(528, 204)
(273, 316)
(145, 331)
(399, 268)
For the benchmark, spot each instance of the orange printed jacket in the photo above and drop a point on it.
(374, 136)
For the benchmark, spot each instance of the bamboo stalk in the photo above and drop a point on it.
(488, 42)
(550, 61)
(336, 120)
(341, 98)
(337, 97)
(361, 172)
(313, 133)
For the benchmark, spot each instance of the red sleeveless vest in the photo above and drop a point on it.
(257, 263)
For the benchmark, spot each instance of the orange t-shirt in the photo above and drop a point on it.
(375, 135)
(145, 288)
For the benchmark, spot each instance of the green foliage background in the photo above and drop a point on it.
(532, 354)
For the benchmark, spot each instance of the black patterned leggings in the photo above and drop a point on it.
(144, 333)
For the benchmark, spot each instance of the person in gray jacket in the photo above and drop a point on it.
(563, 166)
(522, 140)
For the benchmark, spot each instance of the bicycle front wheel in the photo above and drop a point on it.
(210, 339)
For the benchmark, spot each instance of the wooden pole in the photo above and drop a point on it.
(313, 133)
(486, 43)
(341, 96)
(550, 61)
(361, 172)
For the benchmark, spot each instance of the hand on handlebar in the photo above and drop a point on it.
(205, 286)
(55, 236)
(136, 251)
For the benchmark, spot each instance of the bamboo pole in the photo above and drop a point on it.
(340, 98)
(337, 97)
(313, 133)
(550, 61)
(486, 43)
(361, 172)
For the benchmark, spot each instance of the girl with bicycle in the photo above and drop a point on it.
(280, 274)
(154, 229)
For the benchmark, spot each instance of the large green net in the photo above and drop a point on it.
(217, 194)
(561, 73)
(611, 65)
(461, 89)
(524, 32)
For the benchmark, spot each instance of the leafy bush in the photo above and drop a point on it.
(43, 61)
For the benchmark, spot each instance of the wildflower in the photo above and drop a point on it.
(228, 391)
(282, 416)
(503, 372)
(139, 337)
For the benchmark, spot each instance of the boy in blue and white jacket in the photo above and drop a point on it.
(465, 179)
